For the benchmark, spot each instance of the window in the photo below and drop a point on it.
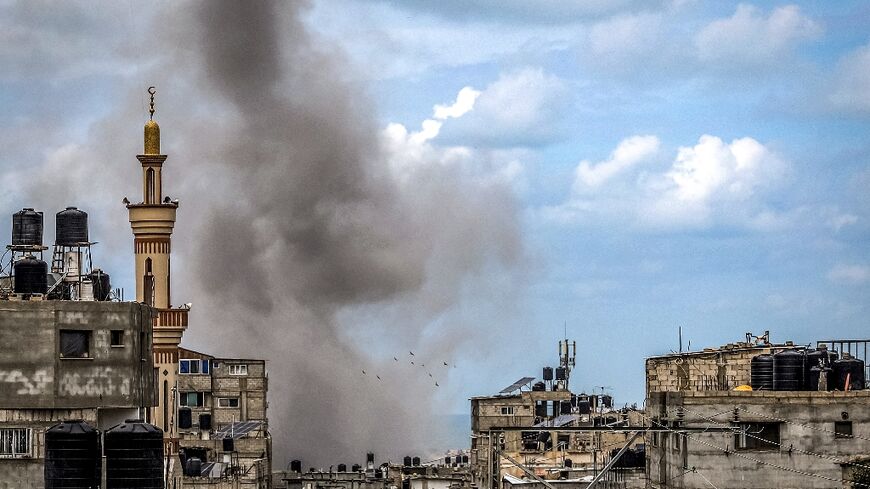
(191, 399)
(193, 366)
(14, 442)
(75, 344)
(842, 429)
(757, 436)
(507, 410)
(228, 402)
(238, 370)
(117, 337)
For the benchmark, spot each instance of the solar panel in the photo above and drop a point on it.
(558, 421)
(516, 385)
(237, 429)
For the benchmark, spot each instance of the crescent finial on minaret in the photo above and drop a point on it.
(152, 130)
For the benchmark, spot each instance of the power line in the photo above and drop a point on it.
(802, 425)
(746, 457)
(790, 448)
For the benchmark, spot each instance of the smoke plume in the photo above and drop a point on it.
(311, 253)
(297, 240)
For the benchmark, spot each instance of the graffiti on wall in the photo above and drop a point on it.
(97, 381)
(29, 385)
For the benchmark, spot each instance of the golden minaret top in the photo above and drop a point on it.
(152, 130)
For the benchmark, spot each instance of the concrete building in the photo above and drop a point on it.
(531, 431)
(223, 399)
(761, 438)
(64, 360)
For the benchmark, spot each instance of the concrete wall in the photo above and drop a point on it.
(810, 427)
(33, 375)
(720, 369)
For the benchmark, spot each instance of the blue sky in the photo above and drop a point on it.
(681, 233)
(620, 168)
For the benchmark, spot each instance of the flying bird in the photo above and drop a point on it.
(412, 353)
(412, 363)
(378, 376)
(396, 359)
(422, 364)
(364, 372)
(436, 384)
(430, 374)
(445, 364)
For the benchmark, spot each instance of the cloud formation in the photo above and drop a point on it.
(712, 181)
(627, 154)
(521, 108)
(750, 37)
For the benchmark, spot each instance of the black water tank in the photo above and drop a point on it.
(569, 463)
(356, 468)
(406, 461)
(193, 467)
(850, 367)
(379, 474)
(134, 456)
(27, 228)
(296, 466)
(788, 371)
(607, 401)
(71, 227)
(548, 373)
(539, 386)
(583, 406)
(31, 276)
(185, 418)
(541, 409)
(813, 376)
(205, 421)
(73, 458)
(561, 373)
(465, 459)
(447, 460)
(565, 407)
(761, 373)
(370, 458)
(416, 461)
(229, 445)
(342, 467)
(102, 284)
(813, 358)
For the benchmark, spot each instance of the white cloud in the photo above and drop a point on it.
(849, 274)
(712, 181)
(410, 151)
(624, 43)
(521, 108)
(463, 104)
(851, 84)
(627, 154)
(748, 37)
(713, 172)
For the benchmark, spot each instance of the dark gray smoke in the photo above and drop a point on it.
(296, 241)
(313, 256)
